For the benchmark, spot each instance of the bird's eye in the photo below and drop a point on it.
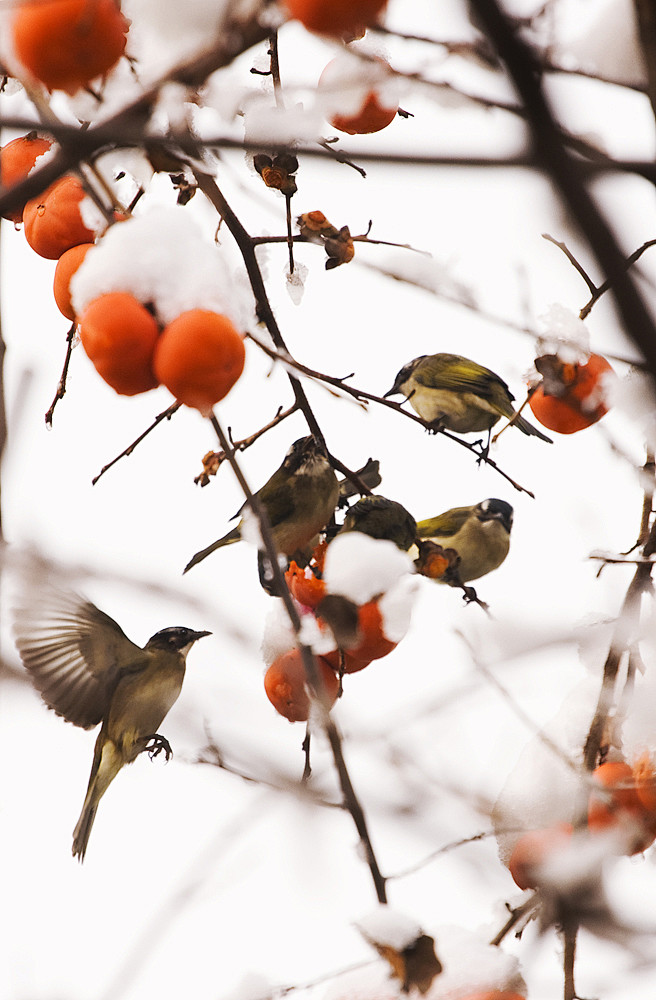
(485, 505)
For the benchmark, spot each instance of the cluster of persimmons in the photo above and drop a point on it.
(621, 802)
(285, 681)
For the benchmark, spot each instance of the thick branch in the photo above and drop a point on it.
(564, 171)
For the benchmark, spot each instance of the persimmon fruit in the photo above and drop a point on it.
(286, 686)
(67, 43)
(305, 587)
(16, 160)
(199, 357)
(336, 17)
(576, 401)
(622, 807)
(373, 644)
(67, 265)
(535, 847)
(119, 335)
(373, 114)
(53, 221)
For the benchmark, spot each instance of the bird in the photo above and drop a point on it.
(88, 671)
(480, 534)
(379, 517)
(299, 499)
(452, 392)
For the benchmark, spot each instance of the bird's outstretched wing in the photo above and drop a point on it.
(72, 652)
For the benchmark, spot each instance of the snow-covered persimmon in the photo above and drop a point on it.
(570, 396)
(67, 265)
(16, 160)
(53, 221)
(373, 644)
(119, 335)
(286, 685)
(619, 806)
(67, 43)
(372, 109)
(199, 357)
(535, 847)
(336, 17)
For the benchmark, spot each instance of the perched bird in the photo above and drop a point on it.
(299, 498)
(379, 517)
(452, 392)
(480, 535)
(88, 671)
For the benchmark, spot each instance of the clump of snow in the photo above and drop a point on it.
(361, 568)
(279, 636)
(469, 963)
(91, 215)
(161, 258)
(296, 282)
(564, 334)
(276, 126)
(386, 927)
(395, 607)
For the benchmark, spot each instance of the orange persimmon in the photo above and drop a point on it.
(373, 644)
(199, 357)
(373, 113)
(67, 265)
(67, 43)
(305, 587)
(533, 848)
(570, 397)
(119, 335)
(53, 221)
(622, 807)
(286, 685)
(336, 17)
(16, 160)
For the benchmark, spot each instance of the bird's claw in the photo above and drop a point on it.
(156, 744)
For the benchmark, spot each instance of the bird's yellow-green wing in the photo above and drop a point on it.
(73, 652)
(457, 374)
(444, 525)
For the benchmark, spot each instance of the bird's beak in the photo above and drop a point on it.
(197, 635)
(391, 392)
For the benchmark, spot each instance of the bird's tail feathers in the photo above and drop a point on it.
(528, 428)
(232, 536)
(107, 762)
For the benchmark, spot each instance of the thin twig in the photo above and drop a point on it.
(517, 914)
(61, 385)
(164, 415)
(622, 640)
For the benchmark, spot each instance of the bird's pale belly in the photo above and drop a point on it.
(141, 703)
(456, 411)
